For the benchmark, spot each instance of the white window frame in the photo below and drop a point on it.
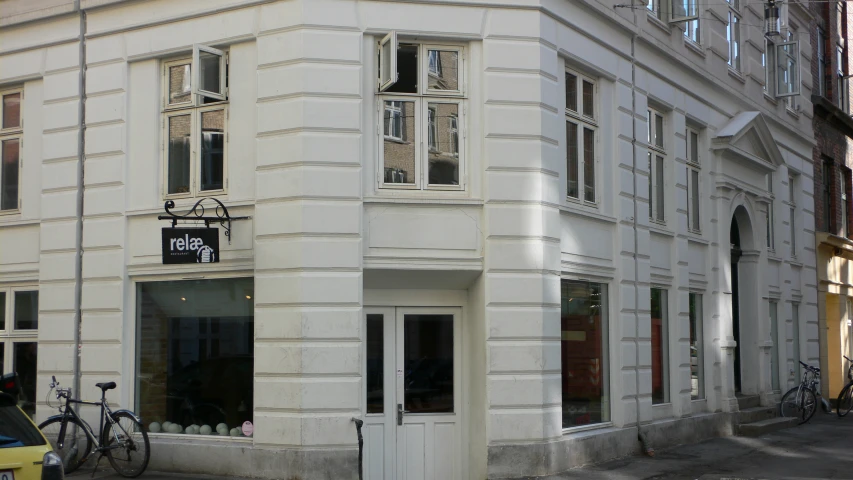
(9, 335)
(843, 202)
(657, 211)
(733, 34)
(792, 208)
(694, 192)
(196, 73)
(13, 133)
(693, 31)
(421, 100)
(790, 50)
(768, 216)
(583, 121)
(195, 107)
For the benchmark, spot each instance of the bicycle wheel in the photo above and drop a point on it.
(71, 453)
(126, 444)
(800, 406)
(809, 404)
(845, 400)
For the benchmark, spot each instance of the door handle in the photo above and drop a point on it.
(400, 413)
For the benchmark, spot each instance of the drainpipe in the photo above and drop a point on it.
(81, 148)
(641, 436)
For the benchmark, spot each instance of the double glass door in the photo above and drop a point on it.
(412, 394)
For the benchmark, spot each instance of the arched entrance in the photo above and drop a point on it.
(745, 303)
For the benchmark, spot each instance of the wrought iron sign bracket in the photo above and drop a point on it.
(196, 214)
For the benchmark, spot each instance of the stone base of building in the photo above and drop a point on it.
(595, 446)
(242, 459)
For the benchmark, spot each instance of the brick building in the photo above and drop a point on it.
(833, 159)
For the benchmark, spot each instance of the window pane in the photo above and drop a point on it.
(659, 207)
(444, 158)
(375, 364)
(583, 348)
(26, 310)
(588, 99)
(795, 337)
(774, 350)
(694, 194)
(649, 123)
(179, 84)
(2, 357)
(428, 363)
(588, 165)
(572, 158)
(443, 70)
(660, 347)
(407, 69)
(697, 370)
(385, 74)
(793, 233)
(2, 316)
(209, 74)
(26, 354)
(399, 145)
(212, 150)
(9, 174)
(179, 154)
(195, 354)
(659, 131)
(12, 110)
(651, 187)
(694, 147)
(432, 134)
(571, 92)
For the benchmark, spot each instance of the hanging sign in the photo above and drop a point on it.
(190, 245)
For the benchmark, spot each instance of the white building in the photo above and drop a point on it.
(502, 246)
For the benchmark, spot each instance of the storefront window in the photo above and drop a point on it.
(19, 308)
(697, 369)
(583, 341)
(660, 348)
(195, 363)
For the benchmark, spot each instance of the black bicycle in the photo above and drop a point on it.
(845, 399)
(123, 438)
(801, 401)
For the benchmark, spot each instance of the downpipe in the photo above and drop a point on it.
(358, 425)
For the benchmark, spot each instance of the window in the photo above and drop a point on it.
(693, 190)
(11, 146)
(774, 350)
(733, 34)
(692, 32)
(787, 68)
(764, 64)
(826, 174)
(192, 336)
(660, 347)
(768, 214)
(821, 63)
(195, 115)
(584, 353)
(19, 307)
(792, 206)
(657, 154)
(842, 187)
(795, 338)
(654, 7)
(581, 136)
(841, 91)
(697, 362)
(421, 95)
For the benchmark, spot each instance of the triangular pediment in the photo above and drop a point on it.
(747, 136)
(750, 143)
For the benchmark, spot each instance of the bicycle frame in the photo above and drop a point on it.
(106, 414)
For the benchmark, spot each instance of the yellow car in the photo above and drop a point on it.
(24, 452)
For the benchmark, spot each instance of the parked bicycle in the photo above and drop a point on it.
(122, 440)
(801, 401)
(845, 398)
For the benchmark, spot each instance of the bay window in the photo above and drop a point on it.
(581, 136)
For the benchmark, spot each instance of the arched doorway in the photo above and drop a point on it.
(734, 239)
(745, 303)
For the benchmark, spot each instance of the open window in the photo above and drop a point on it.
(388, 74)
(787, 68)
(208, 78)
(683, 11)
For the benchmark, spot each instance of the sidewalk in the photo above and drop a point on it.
(821, 449)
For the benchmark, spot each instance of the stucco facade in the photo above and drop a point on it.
(556, 199)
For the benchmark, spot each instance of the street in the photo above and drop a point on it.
(817, 450)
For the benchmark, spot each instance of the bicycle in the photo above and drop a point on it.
(123, 438)
(845, 398)
(801, 401)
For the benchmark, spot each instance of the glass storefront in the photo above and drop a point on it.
(660, 347)
(195, 355)
(583, 341)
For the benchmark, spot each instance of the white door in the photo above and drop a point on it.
(413, 394)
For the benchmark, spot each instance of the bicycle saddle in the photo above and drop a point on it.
(106, 386)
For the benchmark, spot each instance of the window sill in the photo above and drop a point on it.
(659, 227)
(586, 428)
(423, 200)
(657, 22)
(16, 221)
(10, 213)
(794, 262)
(791, 112)
(214, 439)
(576, 208)
(694, 47)
(696, 237)
(770, 98)
(734, 73)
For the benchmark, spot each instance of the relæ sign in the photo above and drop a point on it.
(190, 245)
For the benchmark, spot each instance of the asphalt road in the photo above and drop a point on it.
(821, 449)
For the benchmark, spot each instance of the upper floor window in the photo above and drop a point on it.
(581, 133)
(821, 63)
(792, 207)
(693, 191)
(826, 175)
(11, 140)
(768, 214)
(421, 98)
(733, 33)
(841, 90)
(657, 156)
(842, 187)
(195, 116)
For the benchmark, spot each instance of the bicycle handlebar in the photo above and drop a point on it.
(809, 367)
(848, 358)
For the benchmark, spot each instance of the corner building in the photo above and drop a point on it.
(502, 234)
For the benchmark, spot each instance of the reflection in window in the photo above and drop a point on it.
(10, 167)
(212, 149)
(428, 363)
(443, 70)
(27, 310)
(26, 355)
(660, 347)
(583, 340)
(179, 154)
(195, 354)
(697, 365)
(443, 151)
(399, 142)
(179, 84)
(375, 364)
(12, 110)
